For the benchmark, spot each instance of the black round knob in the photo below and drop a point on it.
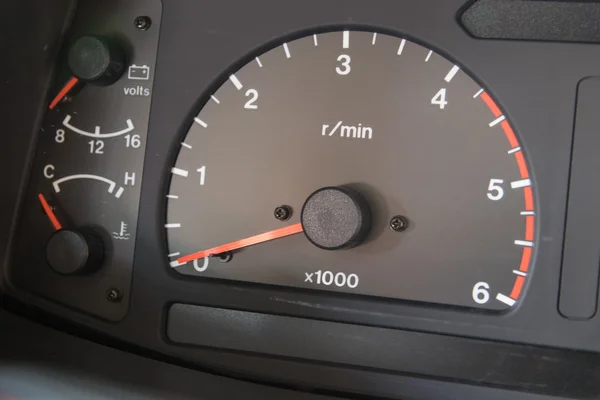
(336, 218)
(96, 60)
(72, 252)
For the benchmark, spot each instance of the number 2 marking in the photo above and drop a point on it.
(253, 94)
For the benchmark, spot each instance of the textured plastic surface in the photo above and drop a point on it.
(37, 362)
(581, 257)
(336, 218)
(379, 348)
(566, 21)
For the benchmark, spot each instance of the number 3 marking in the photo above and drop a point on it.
(345, 60)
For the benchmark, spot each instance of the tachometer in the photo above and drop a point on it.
(357, 162)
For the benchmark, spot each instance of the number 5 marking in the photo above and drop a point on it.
(495, 191)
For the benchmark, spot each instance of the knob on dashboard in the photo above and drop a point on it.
(336, 218)
(71, 252)
(96, 60)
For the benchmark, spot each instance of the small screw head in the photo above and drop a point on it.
(114, 295)
(283, 213)
(225, 257)
(399, 223)
(142, 23)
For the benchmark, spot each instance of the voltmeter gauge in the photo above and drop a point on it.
(76, 237)
(357, 162)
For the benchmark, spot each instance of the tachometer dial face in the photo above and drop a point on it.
(357, 162)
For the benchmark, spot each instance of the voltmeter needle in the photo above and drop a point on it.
(251, 241)
(63, 92)
(49, 212)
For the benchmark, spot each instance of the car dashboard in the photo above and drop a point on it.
(300, 199)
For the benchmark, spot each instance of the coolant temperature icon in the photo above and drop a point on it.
(122, 234)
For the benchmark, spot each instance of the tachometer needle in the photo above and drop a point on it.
(49, 212)
(63, 92)
(251, 241)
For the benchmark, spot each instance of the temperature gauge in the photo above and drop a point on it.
(76, 237)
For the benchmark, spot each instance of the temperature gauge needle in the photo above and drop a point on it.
(49, 212)
(63, 92)
(251, 241)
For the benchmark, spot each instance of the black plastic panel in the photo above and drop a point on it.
(37, 362)
(86, 203)
(581, 258)
(64, 365)
(379, 348)
(554, 20)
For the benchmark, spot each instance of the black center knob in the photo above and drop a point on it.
(72, 252)
(336, 218)
(96, 60)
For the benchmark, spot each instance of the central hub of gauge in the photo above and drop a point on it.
(336, 218)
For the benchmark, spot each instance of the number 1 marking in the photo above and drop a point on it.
(202, 171)
(428, 55)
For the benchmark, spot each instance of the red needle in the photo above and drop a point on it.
(49, 212)
(63, 92)
(251, 241)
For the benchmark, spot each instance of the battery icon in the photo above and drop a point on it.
(139, 72)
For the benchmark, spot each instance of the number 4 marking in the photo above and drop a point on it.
(440, 99)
